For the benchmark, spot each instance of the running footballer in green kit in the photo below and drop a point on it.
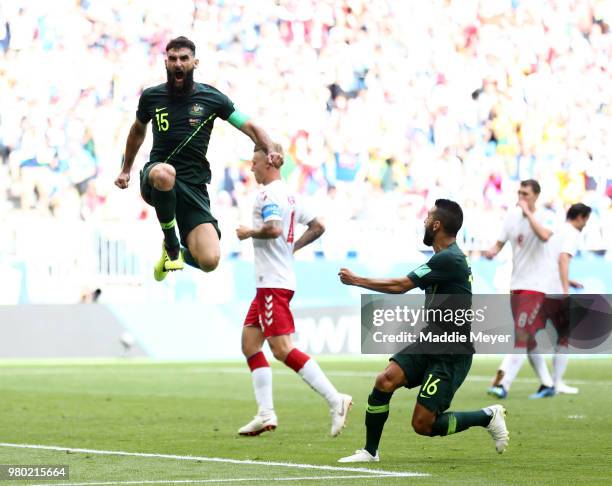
(174, 179)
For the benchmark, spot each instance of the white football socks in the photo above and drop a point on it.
(560, 361)
(262, 386)
(312, 374)
(511, 365)
(538, 363)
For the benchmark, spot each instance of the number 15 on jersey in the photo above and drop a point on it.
(162, 121)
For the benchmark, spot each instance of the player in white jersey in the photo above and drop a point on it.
(561, 247)
(527, 230)
(276, 213)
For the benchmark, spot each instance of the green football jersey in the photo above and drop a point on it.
(182, 127)
(447, 281)
(446, 272)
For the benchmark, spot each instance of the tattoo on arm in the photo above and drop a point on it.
(269, 231)
(314, 231)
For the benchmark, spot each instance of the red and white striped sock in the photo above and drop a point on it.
(261, 374)
(313, 375)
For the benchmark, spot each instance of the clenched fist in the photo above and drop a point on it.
(347, 277)
(275, 159)
(123, 180)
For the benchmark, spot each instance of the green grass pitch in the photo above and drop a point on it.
(175, 410)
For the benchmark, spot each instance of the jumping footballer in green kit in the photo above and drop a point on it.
(447, 275)
(174, 179)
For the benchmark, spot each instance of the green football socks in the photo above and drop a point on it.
(165, 208)
(377, 413)
(452, 422)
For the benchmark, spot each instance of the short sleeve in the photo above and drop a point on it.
(569, 244)
(142, 113)
(504, 234)
(430, 273)
(225, 107)
(546, 218)
(305, 212)
(270, 207)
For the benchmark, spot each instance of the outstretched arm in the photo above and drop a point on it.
(385, 285)
(137, 134)
(261, 139)
(315, 229)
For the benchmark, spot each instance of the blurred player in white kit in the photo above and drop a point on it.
(561, 247)
(528, 231)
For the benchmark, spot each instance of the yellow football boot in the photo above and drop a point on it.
(165, 264)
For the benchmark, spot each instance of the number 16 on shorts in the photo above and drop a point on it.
(430, 387)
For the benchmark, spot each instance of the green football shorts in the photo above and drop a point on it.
(192, 203)
(439, 377)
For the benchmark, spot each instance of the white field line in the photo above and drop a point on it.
(245, 371)
(234, 480)
(377, 472)
(372, 375)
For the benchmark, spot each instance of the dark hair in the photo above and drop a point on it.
(578, 209)
(180, 42)
(449, 213)
(535, 185)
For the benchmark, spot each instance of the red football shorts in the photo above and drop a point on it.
(557, 310)
(528, 315)
(270, 311)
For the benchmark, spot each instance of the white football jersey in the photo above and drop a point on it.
(274, 257)
(565, 240)
(529, 259)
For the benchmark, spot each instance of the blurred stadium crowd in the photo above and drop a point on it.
(381, 106)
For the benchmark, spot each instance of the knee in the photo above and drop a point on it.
(421, 426)
(384, 383)
(207, 261)
(279, 352)
(249, 349)
(280, 355)
(211, 262)
(162, 177)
